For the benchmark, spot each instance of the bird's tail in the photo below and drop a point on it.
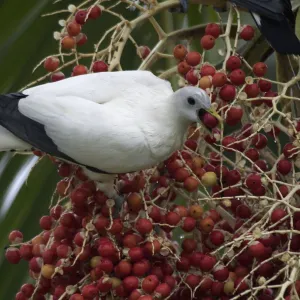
(8, 141)
(280, 35)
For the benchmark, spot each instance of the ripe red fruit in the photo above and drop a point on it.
(277, 214)
(81, 39)
(73, 28)
(221, 273)
(51, 63)
(136, 254)
(46, 222)
(284, 166)
(20, 296)
(13, 255)
(99, 66)
(104, 285)
(89, 291)
(229, 142)
(15, 237)
(79, 70)
(172, 218)
(260, 69)
(180, 52)
(183, 67)
(207, 42)
(26, 251)
(106, 249)
(252, 90)
(207, 263)
(260, 165)
(193, 58)
(213, 29)
(259, 141)
(219, 79)
(191, 184)
(289, 150)
(233, 63)
(143, 51)
(253, 181)
(237, 77)
(76, 297)
(192, 280)
(241, 284)
(243, 211)
(150, 283)
(80, 17)
(209, 121)
(257, 249)
(130, 283)
(207, 70)
(68, 42)
(192, 77)
(144, 226)
(35, 264)
(227, 92)
(247, 33)
(264, 85)
(217, 237)
(189, 245)
(189, 224)
(57, 76)
(94, 12)
(232, 177)
(183, 264)
(163, 290)
(234, 115)
(181, 174)
(252, 154)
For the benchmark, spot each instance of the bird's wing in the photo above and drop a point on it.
(101, 87)
(273, 9)
(102, 137)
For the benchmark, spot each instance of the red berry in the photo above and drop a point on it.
(229, 142)
(189, 224)
(260, 69)
(253, 181)
(80, 17)
(183, 67)
(99, 66)
(219, 79)
(192, 77)
(193, 58)
(27, 289)
(183, 264)
(136, 254)
(284, 166)
(81, 39)
(243, 211)
(68, 42)
(207, 263)
(207, 70)
(107, 249)
(232, 177)
(259, 141)
(217, 237)
(15, 237)
(234, 115)
(233, 63)
(73, 28)
(264, 85)
(252, 90)
(94, 12)
(181, 174)
(191, 184)
(46, 222)
(26, 251)
(144, 226)
(51, 63)
(57, 76)
(143, 51)
(189, 245)
(247, 33)
(163, 290)
(237, 77)
(13, 255)
(289, 150)
(252, 154)
(172, 218)
(221, 273)
(207, 42)
(89, 291)
(150, 283)
(257, 249)
(227, 92)
(79, 70)
(130, 283)
(180, 52)
(209, 120)
(213, 29)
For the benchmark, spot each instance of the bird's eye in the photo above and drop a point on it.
(191, 101)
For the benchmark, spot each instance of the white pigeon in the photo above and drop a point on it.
(108, 123)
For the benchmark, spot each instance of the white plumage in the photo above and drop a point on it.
(116, 122)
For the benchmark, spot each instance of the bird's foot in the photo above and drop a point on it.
(183, 8)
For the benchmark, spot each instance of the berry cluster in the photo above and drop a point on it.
(219, 219)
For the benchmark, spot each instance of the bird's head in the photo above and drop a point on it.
(192, 103)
